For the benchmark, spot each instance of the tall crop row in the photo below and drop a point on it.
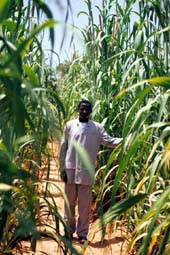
(30, 115)
(124, 71)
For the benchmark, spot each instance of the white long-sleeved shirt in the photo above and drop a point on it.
(90, 135)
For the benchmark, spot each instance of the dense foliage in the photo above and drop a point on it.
(124, 71)
(27, 121)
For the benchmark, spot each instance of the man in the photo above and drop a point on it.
(78, 181)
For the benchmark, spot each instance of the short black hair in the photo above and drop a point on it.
(84, 101)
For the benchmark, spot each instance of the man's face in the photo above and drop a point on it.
(84, 111)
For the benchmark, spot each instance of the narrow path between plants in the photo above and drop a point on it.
(114, 243)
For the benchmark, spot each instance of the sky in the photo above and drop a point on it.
(59, 8)
(80, 21)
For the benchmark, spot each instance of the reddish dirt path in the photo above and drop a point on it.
(114, 243)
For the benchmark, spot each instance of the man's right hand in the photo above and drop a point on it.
(63, 176)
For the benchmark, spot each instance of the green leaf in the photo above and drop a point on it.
(153, 214)
(23, 46)
(160, 81)
(4, 8)
(11, 25)
(157, 81)
(164, 240)
(118, 208)
(31, 75)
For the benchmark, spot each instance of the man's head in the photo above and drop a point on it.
(84, 109)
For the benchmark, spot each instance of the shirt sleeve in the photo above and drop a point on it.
(107, 140)
(63, 150)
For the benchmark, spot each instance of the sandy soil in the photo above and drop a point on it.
(113, 244)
